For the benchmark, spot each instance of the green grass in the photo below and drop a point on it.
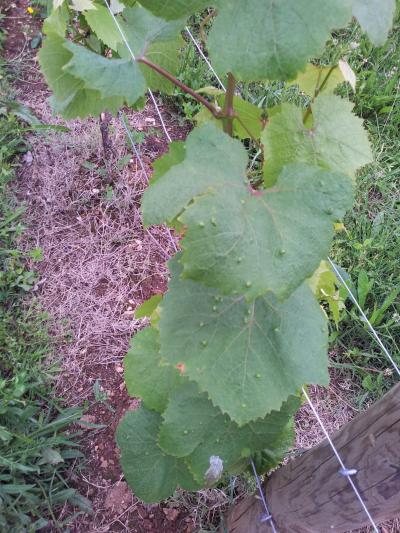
(37, 442)
(369, 250)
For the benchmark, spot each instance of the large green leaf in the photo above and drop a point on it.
(175, 155)
(146, 375)
(70, 98)
(274, 434)
(192, 427)
(152, 474)
(111, 77)
(57, 21)
(157, 39)
(175, 9)
(335, 141)
(250, 242)
(248, 357)
(375, 17)
(212, 160)
(269, 39)
(101, 22)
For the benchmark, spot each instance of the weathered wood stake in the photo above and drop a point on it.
(309, 495)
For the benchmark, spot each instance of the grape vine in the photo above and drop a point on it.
(239, 331)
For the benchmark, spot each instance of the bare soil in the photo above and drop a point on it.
(99, 264)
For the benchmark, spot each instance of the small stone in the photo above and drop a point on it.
(204, 343)
(171, 514)
(248, 284)
(201, 224)
(213, 221)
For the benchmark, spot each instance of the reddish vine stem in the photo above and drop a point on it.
(178, 83)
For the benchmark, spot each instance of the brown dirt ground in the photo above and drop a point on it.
(98, 265)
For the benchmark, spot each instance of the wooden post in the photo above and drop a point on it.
(309, 495)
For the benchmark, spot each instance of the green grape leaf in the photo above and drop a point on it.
(175, 155)
(157, 39)
(53, 56)
(212, 160)
(275, 433)
(336, 140)
(375, 18)
(151, 473)
(266, 39)
(101, 22)
(147, 308)
(57, 21)
(175, 9)
(205, 117)
(146, 375)
(193, 427)
(248, 357)
(70, 98)
(251, 242)
(111, 77)
(315, 79)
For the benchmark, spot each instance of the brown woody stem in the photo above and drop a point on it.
(229, 111)
(181, 85)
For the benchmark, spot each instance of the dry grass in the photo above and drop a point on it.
(98, 261)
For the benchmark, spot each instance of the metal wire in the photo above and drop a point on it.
(137, 153)
(343, 471)
(199, 49)
(364, 317)
(267, 517)
(125, 40)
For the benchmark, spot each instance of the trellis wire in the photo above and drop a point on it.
(118, 26)
(135, 149)
(346, 472)
(199, 49)
(267, 517)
